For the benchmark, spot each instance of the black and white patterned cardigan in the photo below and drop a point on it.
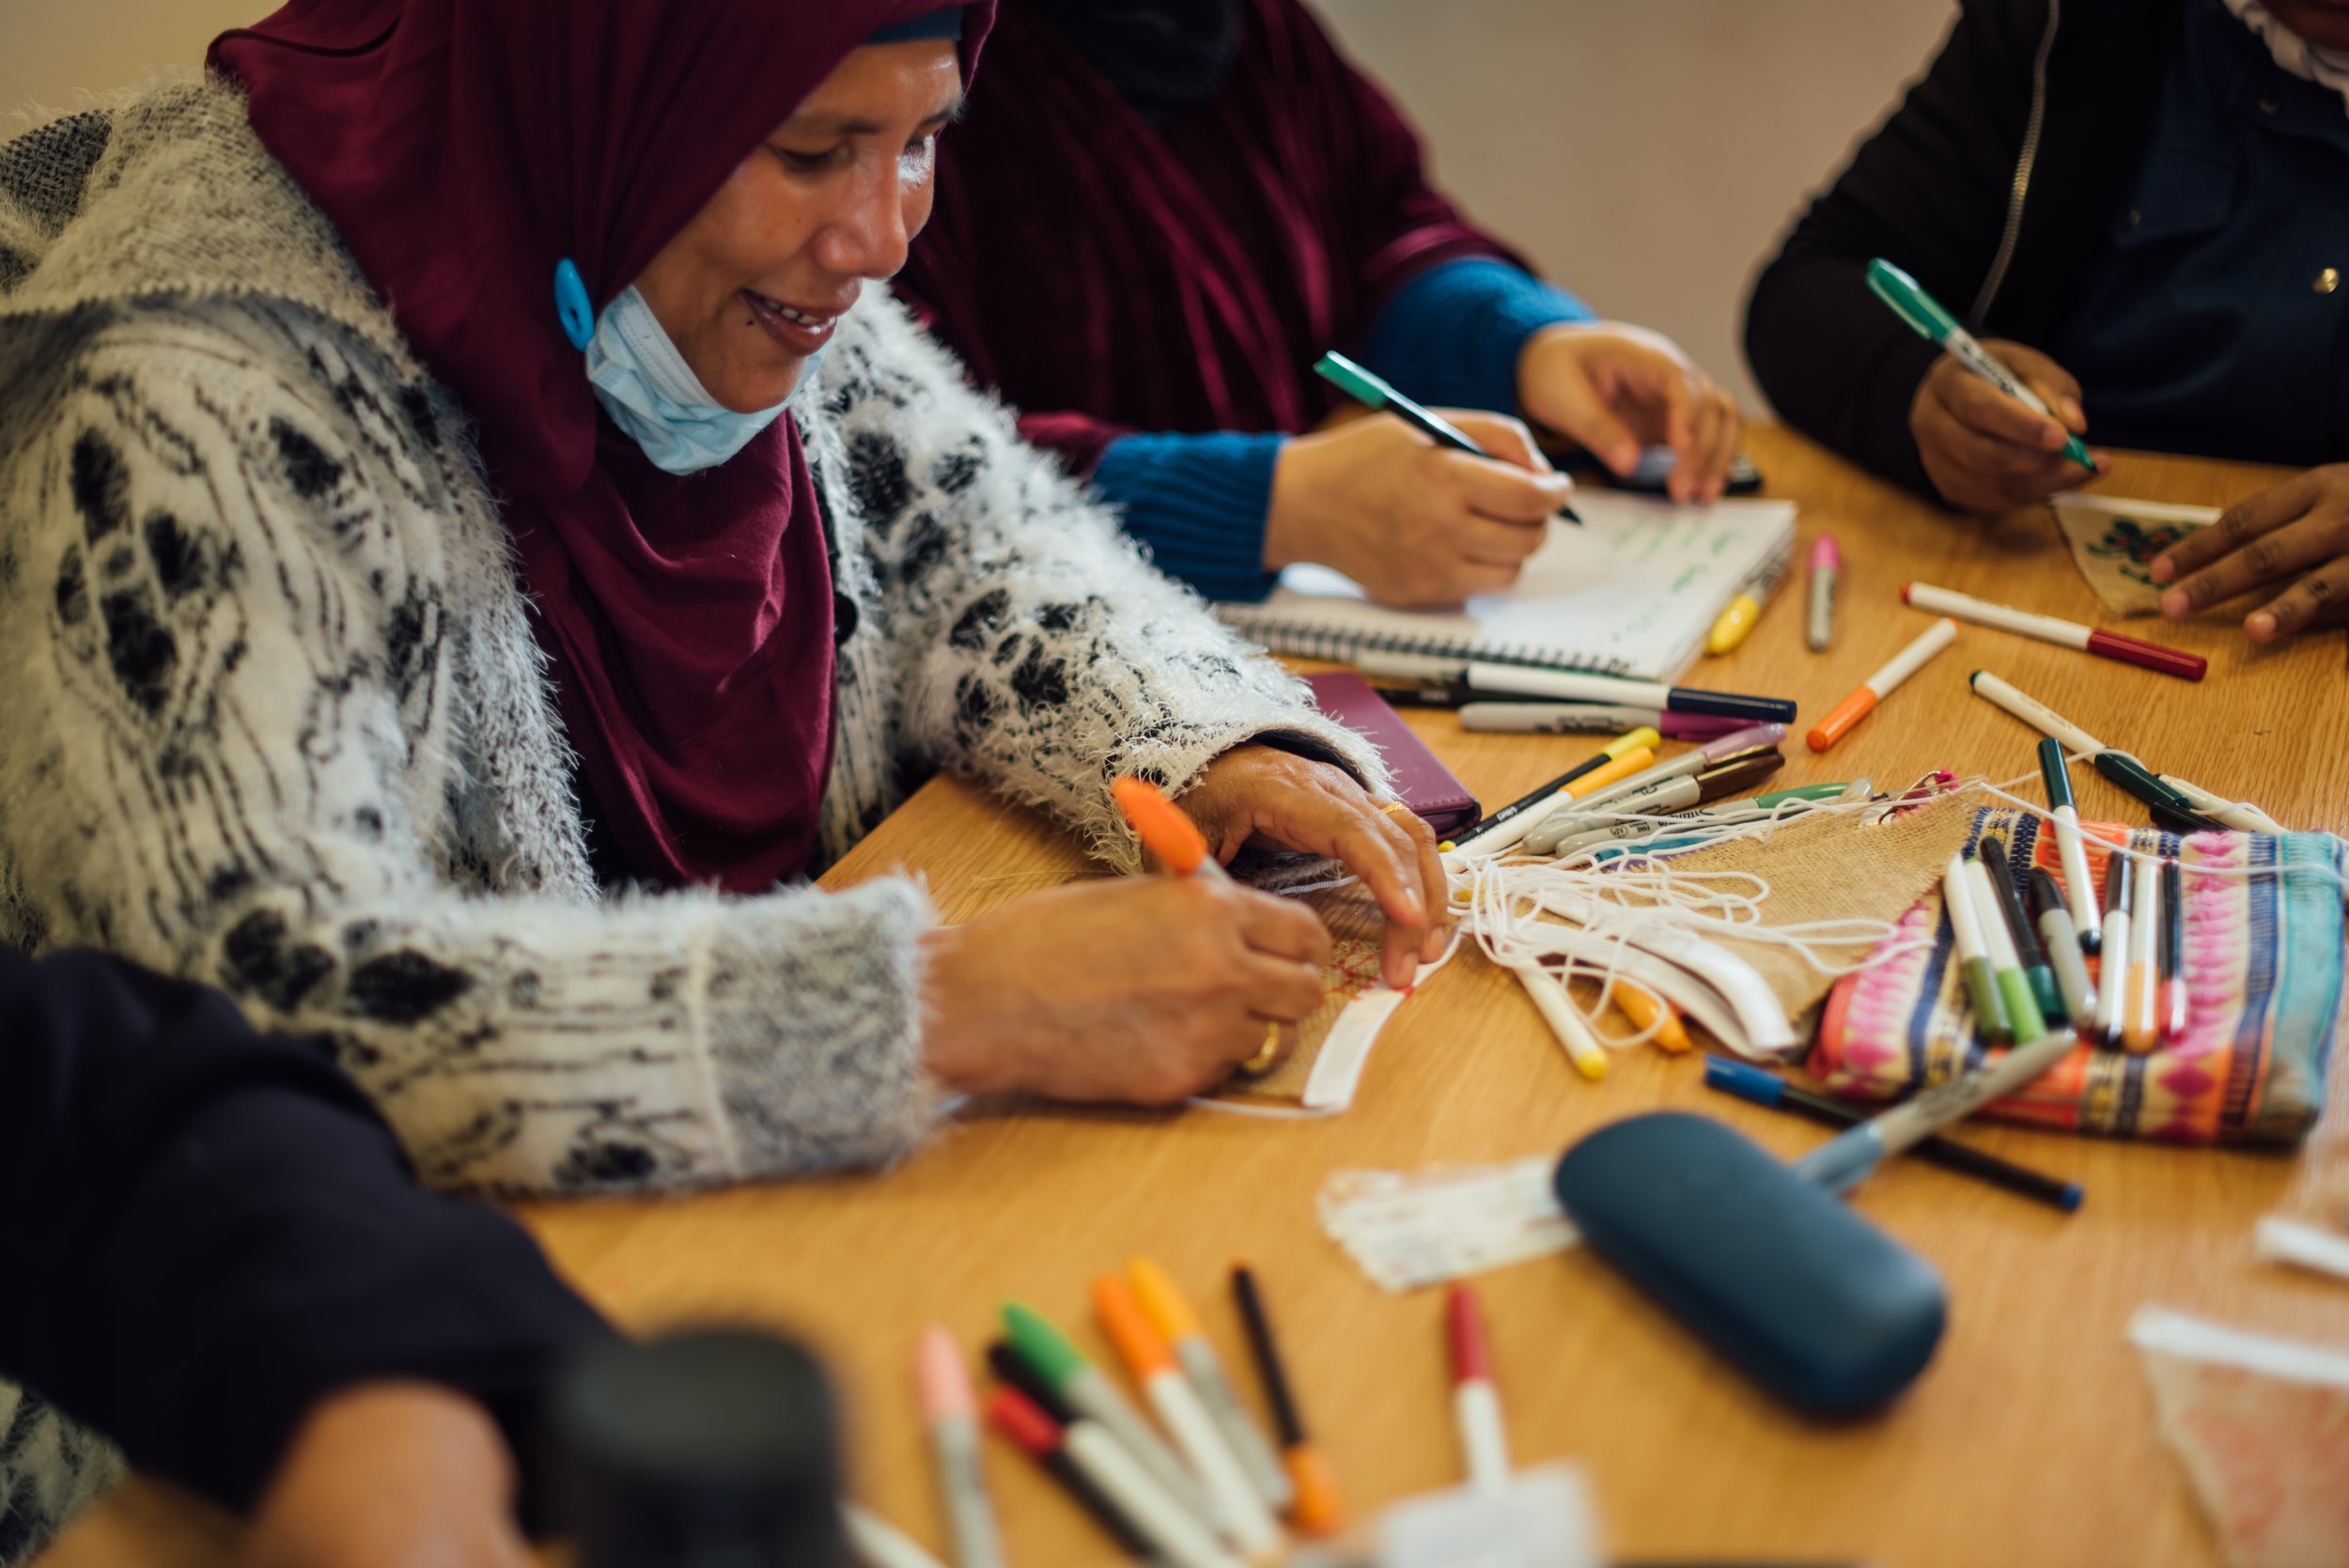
(272, 716)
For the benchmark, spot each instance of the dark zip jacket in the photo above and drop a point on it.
(1994, 184)
(207, 1230)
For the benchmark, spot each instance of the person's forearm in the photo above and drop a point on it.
(213, 1231)
(1452, 337)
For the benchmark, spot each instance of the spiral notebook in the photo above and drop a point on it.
(1631, 593)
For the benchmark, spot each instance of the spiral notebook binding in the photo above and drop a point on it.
(1305, 640)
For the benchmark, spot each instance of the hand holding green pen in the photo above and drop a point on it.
(1997, 425)
(1373, 393)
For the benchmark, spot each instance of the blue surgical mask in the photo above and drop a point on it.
(649, 390)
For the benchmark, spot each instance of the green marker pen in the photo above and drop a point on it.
(1982, 986)
(2023, 1019)
(1923, 313)
(1081, 1383)
(2044, 989)
(1371, 392)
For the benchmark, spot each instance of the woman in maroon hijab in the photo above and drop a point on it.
(465, 456)
(1159, 213)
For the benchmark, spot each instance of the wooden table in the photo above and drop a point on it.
(2030, 1440)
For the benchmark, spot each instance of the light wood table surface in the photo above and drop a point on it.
(2030, 1441)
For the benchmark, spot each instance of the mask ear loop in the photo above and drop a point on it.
(572, 307)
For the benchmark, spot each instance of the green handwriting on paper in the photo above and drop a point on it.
(1679, 539)
(2131, 547)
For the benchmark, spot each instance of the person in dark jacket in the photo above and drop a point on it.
(2137, 205)
(1156, 215)
(247, 1290)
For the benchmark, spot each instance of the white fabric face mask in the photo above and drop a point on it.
(649, 390)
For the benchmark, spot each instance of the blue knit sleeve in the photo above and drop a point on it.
(1451, 336)
(1199, 502)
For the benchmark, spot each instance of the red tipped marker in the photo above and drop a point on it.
(2050, 629)
(1113, 1489)
(1475, 1400)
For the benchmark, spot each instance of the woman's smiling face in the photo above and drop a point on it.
(759, 279)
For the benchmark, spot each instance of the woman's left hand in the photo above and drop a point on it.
(2298, 528)
(1277, 800)
(1618, 390)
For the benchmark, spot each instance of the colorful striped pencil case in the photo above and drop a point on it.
(2263, 964)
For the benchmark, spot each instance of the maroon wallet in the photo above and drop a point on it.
(1425, 785)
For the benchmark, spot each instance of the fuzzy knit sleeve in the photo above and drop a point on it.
(245, 725)
(1034, 645)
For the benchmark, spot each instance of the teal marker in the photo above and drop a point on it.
(1373, 393)
(1923, 313)
(2024, 1021)
(1052, 1357)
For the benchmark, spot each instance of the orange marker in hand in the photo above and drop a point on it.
(1163, 827)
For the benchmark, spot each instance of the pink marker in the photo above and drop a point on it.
(950, 1412)
(1826, 562)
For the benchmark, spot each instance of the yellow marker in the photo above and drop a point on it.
(1733, 624)
(1644, 1008)
(1621, 767)
(1548, 995)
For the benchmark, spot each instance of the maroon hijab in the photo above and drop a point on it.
(463, 147)
(1110, 270)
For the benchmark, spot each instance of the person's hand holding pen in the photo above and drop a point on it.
(1148, 989)
(1987, 453)
(1415, 523)
(2297, 530)
(1616, 390)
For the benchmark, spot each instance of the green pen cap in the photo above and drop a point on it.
(1806, 792)
(2138, 780)
(2057, 776)
(1982, 989)
(1910, 301)
(2022, 1006)
(1352, 379)
(1043, 1347)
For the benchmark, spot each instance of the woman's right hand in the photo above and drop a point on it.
(1985, 452)
(1414, 523)
(1142, 990)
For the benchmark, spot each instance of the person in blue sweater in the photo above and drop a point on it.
(1154, 218)
(242, 1286)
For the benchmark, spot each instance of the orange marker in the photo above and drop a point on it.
(1633, 761)
(1877, 687)
(1163, 828)
(1237, 1511)
(1644, 1008)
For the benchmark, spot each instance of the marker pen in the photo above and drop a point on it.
(2022, 1008)
(1731, 626)
(1011, 1412)
(1238, 1512)
(2055, 773)
(1082, 1384)
(1319, 1510)
(2243, 816)
(1973, 953)
(1574, 687)
(2053, 629)
(951, 1412)
(1826, 565)
(1548, 995)
(2063, 943)
(2173, 1007)
(1645, 1010)
(1695, 781)
(1366, 388)
(1175, 1536)
(1749, 742)
(2044, 989)
(1172, 1317)
(1895, 673)
(1504, 827)
(2141, 1026)
(1475, 1401)
(2112, 976)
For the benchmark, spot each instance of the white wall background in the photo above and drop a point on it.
(1647, 153)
